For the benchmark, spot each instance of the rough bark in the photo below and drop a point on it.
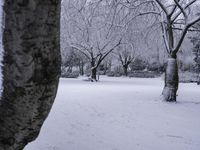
(171, 80)
(31, 69)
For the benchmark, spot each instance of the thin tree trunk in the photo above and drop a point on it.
(171, 80)
(31, 69)
(94, 74)
(125, 68)
(81, 68)
(93, 71)
(69, 69)
(198, 76)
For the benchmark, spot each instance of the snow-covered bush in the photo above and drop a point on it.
(187, 77)
(74, 74)
(143, 74)
(138, 64)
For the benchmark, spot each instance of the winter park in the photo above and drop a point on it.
(100, 75)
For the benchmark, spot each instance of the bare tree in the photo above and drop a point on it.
(175, 16)
(126, 56)
(31, 69)
(73, 58)
(143, 28)
(90, 33)
(176, 20)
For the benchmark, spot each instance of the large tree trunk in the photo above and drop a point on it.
(171, 80)
(31, 69)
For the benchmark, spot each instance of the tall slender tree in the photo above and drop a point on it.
(31, 69)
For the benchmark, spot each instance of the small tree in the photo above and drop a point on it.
(73, 58)
(70, 60)
(126, 56)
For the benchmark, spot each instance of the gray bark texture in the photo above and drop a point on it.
(31, 69)
(171, 81)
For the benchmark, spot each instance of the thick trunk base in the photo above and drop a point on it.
(171, 81)
(169, 94)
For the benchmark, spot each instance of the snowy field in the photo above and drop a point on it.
(121, 114)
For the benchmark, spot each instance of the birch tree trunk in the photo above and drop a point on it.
(31, 69)
(171, 80)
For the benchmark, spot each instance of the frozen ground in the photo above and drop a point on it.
(121, 114)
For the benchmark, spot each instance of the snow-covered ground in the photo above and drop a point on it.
(121, 114)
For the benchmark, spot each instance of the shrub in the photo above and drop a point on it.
(74, 74)
(144, 74)
(138, 64)
(110, 74)
(187, 77)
